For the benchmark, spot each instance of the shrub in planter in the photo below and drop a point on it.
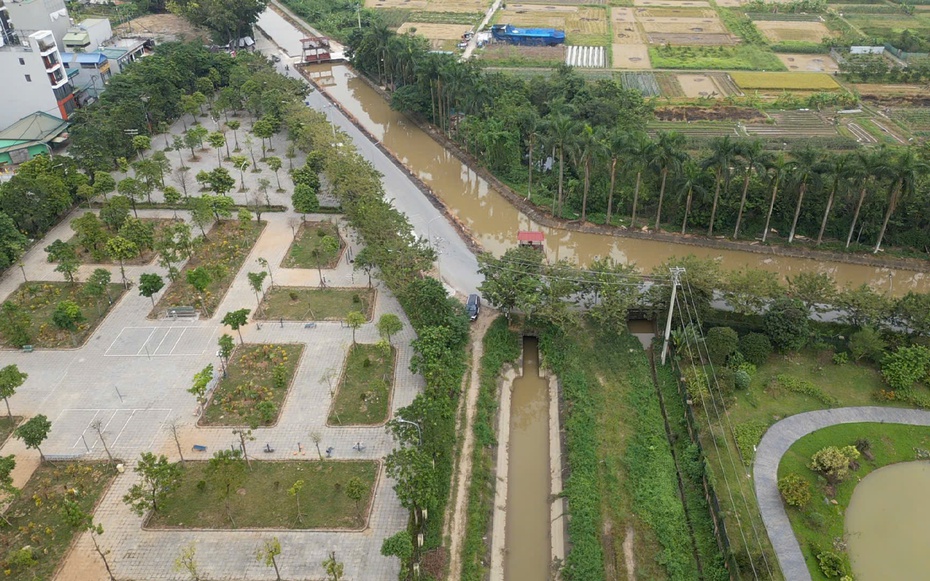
(756, 348)
(795, 490)
(720, 343)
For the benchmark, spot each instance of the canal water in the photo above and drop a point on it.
(888, 524)
(494, 222)
(528, 545)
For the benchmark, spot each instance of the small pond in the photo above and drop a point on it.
(888, 523)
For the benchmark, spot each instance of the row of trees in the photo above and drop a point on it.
(582, 149)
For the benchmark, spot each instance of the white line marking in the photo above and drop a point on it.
(118, 436)
(173, 347)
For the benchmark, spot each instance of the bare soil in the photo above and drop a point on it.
(436, 31)
(164, 26)
(716, 113)
(814, 63)
(779, 31)
(631, 56)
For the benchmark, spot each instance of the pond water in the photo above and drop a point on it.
(888, 524)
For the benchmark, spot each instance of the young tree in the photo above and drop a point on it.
(263, 185)
(237, 319)
(324, 253)
(90, 233)
(174, 426)
(159, 477)
(140, 143)
(121, 249)
(227, 470)
(234, 126)
(7, 465)
(399, 545)
(294, 491)
(264, 129)
(140, 233)
(68, 315)
(114, 212)
(220, 182)
(198, 388)
(264, 264)
(317, 437)
(97, 426)
(200, 279)
(172, 198)
(103, 184)
(217, 140)
(267, 553)
(305, 199)
(241, 163)
(274, 164)
(355, 319)
(80, 520)
(355, 490)
(365, 262)
(187, 559)
(133, 190)
(11, 379)
(333, 568)
(227, 346)
(388, 325)
(15, 324)
(257, 281)
(201, 210)
(33, 432)
(149, 284)
(66, 257)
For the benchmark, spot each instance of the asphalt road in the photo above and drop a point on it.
(457, 264)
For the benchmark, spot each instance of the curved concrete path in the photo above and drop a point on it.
(773, 446)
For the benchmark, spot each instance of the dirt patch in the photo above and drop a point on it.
(695, 86)
(682, 25)
(436, 31)
(811, 63)
(165, 27)
(405, 4)
(458, 6)
(628, 552)
(631, 56)
(780, 31)
(716, 113)
(673, 3)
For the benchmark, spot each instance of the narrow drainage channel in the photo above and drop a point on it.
(528, 552)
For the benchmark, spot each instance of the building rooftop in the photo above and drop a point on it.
(31, 130)
(95, 57)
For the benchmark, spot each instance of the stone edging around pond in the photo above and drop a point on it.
(773, 446)
(548, 220)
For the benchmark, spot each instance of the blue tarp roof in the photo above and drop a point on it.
(84, 57)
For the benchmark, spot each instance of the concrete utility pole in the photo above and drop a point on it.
(676, 271)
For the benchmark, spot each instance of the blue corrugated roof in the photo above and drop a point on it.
(84, 57)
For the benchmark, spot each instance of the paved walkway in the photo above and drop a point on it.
(773, 446)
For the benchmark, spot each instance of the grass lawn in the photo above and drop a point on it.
(737, 58)
(7, 427)
(39, 299)
(261, 499)
(89, 256)
(39, 523)
(300, 254)
(256, 387)
(764, 404)
(890, 443)
(222, 253)
(364, 390)
(314, 304)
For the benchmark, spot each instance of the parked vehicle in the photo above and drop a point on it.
(473, 306)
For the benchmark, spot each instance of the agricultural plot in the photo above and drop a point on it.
(889, 26)
(625, 29)
(631, 56)
(441, 36)
(782, 31)
(508, 55)
(793, 124)
(583, 25)
(474, 6)
(809, 63)
(669, 86)
(673, 3)
(916, 120)
(642, 82)
(785, 81)
(702, 86)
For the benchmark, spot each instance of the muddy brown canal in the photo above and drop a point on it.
(494, 222)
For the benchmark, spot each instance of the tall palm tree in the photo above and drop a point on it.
(868, 165)
(638, 149)
(805, 172)
(906, 168)
(561, 131)
(616, 145)
(723, 152)
(837, 167)
(753, 160)
(778, 167)
(690, 180)
(667, 156)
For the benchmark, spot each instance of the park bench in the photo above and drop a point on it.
(200, 448)
(310, 326)
(182, 313)
(28, 349)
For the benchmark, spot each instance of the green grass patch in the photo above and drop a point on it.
(313, 304)
(501, 345)
(309, 239)
(222, 253)
(38, 301)
(508, 55)
(364, 391)
(252, 394)
(890, 443)
(7, 427)
(262, 500)
(37, 518)
(428, 16)
(737, 58)
(785, 81)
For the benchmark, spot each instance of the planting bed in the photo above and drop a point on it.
(314, 304)
(785, 81)
(309, 238)
(631, 56)
(363, 396)
(507, 55)
(812, 63)
(88, 256)
(643, 82)
(780, 31)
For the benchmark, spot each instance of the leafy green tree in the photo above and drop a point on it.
(7, 465)
(78, 519)
(667, 157)
(412, 470)
(388, 325)
(217, 140)
(220, 182)
(227, 346)
(817, 290)
(68, 316)
(257, 281)
(201, 210)
(234, 126)
(355, 320)
(867, 343)
(172, 197)
(721, 160)
(90, 233)
(140, 233)
(268, 554)
(187, 561)
(786, 324)
(912, 311)
(228, 20)
(806, 173)
(356, 490)
(608, 293)
(756, 348)
(264, 129)
(333, 568)
(12, 242)
(96, 286)
(200, 279)
(753, 156)
(323, 253)
(861, 306)
(749, 290)
(114, 212)
(241, 163)
(509, 280)
(103, 184)
(294, 491)
(149, 284)
(133, 190)
(399, 545)
(227, 469)
(199, 132)
(274, 164)
(237, 319)
(11, 379)
(158, 478)
(720, 342)
(264, 264)
(305, 199)
(15, 324)
(33, 432)
(907, 168)
(906, 366)
(833, 462)
(140, 143)
(121, 249)
(66, 257)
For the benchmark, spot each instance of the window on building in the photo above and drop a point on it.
(22, 62)
(28, 79)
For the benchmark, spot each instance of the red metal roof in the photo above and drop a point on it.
(526, 236)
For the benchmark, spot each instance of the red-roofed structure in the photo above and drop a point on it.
(531, 239)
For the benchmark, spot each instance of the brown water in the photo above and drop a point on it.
(888, 524)
(495, 223)
(528, 546)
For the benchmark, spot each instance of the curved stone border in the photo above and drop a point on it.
(773, 446)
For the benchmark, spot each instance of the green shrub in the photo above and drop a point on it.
(795, 490)
(720, 343)
(841, 358)
(906, 366)
(867, 343)
(832, 462)
(786, 324)
(804, 387)
(831, 564)
(742, 379)
(747, 436)
(756, 348)
(817, 521)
